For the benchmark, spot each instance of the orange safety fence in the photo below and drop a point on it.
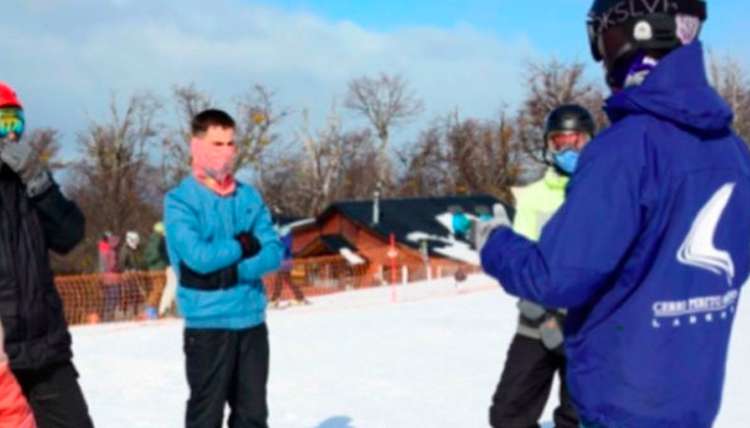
(95, 298)
(109, 297)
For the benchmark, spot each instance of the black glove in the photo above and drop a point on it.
(249, 243)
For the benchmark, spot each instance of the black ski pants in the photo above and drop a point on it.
(525, 386)
(227, 367)
(55, 396)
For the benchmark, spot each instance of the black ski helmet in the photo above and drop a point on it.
(567, 118)
(619, 29)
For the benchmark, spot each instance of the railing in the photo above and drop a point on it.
(95, 298)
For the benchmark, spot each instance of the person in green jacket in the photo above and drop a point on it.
(536, 352)
(156, 259)
(155, 255)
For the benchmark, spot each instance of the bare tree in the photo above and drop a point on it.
(281, 183)
(256, 120)
(427, 170)
(549, 85)
(175, 165)
(733, 83)
(256, 123)
(46, 141)
(486, 157)
(322, 160)
(320, 167)
(459, 156)
(385, 101)
(114, 180)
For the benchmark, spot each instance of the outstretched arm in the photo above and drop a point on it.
(584, 243)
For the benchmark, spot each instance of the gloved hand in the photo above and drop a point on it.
(249, 243)
(530, 310)
(24, 161)
(3, 356)
(552, 335)
(483, 229)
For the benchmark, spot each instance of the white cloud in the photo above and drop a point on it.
(66, 58)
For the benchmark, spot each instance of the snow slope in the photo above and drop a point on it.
(353, 360)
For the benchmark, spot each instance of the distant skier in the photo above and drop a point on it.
(129, 258)
(109, 270)
(156, 259)
(130, 263)
(536, 353)
(650, 249)
(284, 275)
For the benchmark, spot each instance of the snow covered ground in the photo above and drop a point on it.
(352, 360)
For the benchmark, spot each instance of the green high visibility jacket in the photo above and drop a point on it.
(535, 205)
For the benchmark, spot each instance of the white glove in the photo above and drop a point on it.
(484, 229)
(3, 356)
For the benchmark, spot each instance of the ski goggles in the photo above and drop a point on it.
(11, 122)
(560, 141)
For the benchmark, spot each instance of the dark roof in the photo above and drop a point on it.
(406, 215)
(324, 245)
(336, 242)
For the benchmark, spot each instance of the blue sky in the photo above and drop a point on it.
(554, 26)
(70, 56)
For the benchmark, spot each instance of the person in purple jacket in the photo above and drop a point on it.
(651, 247)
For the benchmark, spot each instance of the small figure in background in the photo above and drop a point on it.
(132, 290)
(129, 258)
(157, 260)
(110, 274)
(284, 276)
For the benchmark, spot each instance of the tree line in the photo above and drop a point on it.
(126, 162)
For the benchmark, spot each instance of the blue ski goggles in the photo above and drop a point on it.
(11, 122)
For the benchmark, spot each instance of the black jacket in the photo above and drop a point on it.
(36, 334)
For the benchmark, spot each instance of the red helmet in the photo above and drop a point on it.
(8, 97)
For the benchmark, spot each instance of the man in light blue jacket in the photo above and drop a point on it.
(221, 242)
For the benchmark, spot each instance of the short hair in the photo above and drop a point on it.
(208, 118)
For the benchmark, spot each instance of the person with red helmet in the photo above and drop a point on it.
(35, 217)
(11, 114)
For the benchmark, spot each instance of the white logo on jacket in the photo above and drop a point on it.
(699, 249)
